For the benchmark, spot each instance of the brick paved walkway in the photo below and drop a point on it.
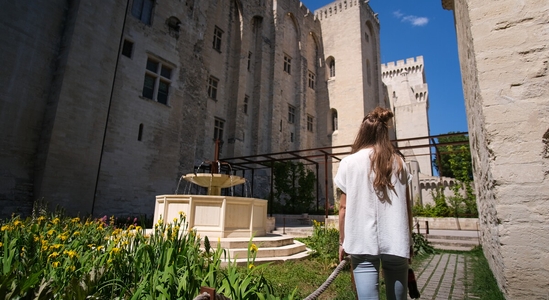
(444, 276)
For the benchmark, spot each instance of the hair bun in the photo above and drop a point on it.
(381, 114)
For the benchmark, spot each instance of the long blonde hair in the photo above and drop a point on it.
(374, 133)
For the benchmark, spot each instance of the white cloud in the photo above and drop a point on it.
(414, 20)
(398, 14)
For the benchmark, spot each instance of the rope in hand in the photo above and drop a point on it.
(330, 279)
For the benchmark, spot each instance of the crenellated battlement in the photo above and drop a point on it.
(411, 65)
(339, 6)
(410, 62)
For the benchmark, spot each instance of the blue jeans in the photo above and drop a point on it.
(366, 274)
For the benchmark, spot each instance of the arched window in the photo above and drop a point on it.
(332, 67)
(334, 119)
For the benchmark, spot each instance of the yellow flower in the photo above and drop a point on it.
(56, 221)
(53, 255)
(55, 264)
(36, 238)
(50, 232)
(115, 250)
(99, 248)
(1, 244)
(62, 237)
(174, 220)
(17, 223)
(41, 218)
(251, 266)
(70, 253)
(109, 261)
(138, 228)
(6, 227)
(71, 268)
(75, 220)
(253, 248)
(76, 233)
(56, 246)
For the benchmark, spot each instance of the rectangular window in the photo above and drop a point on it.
(287, 64)
(249, 60)
(218, 129)
(218, 34)
(312, 80)
(127, 48)
(142, 10)
(212, 87)
(291, 137)
(310, 120)
(246, 99)
(156, 85)
(291, 114)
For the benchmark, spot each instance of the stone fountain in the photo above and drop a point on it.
(214, 215)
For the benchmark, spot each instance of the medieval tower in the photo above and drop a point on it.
(409, 98)
(350, 31)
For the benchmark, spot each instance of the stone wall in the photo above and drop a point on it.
(504, 63)
(29, 46)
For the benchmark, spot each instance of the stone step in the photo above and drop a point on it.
(263, 260)
(265, 252)
(271, 240)
(451, 237)
(294, 231)
(453, 243)
(271, 248)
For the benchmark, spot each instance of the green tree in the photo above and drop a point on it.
(454, 160)
(293, 187)
(453, 157)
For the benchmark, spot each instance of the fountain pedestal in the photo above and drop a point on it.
(214, 215)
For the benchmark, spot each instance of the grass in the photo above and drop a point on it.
(484, 283)
(307, 275)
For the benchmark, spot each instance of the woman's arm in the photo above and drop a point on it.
(342, 208)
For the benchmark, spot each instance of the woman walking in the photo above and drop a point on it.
(375, 212)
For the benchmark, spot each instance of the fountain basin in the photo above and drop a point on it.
(214, 182)
(216, 216)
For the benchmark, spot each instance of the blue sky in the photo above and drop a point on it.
(423, 28)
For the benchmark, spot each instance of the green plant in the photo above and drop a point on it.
(484, 285)
(50, 256)
(324, 242)
(294, 187)
(421, 246)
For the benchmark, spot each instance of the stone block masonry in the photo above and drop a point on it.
(503, 55)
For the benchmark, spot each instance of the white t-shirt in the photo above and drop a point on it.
(372, 225)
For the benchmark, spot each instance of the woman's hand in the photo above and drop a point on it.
(342, 253)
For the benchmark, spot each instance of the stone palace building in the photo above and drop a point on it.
(105, 104)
